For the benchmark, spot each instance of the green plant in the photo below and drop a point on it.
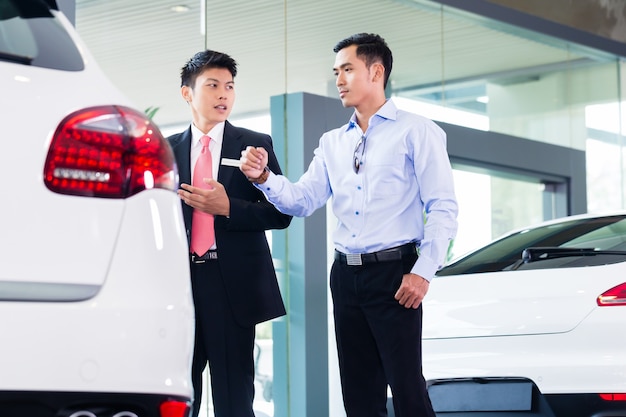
(151, 111)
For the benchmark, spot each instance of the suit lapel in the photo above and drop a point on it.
(182, 152)
(231, 149)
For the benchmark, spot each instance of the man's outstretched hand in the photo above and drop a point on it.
(253, 161)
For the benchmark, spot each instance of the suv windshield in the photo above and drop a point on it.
(583, 242)
(31, 35)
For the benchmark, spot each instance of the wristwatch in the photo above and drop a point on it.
(263, 177)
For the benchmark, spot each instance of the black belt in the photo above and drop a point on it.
(387, 255)
(211, 255)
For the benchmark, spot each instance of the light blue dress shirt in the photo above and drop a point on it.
(405, 173)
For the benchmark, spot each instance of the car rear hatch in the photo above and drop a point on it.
(512, 303)
(73, 155)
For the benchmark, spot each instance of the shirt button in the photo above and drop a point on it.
(358, 187)
(356, 212)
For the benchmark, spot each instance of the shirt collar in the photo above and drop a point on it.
(388, 111)
(216, 134)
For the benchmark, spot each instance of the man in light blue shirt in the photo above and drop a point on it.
(392, 190)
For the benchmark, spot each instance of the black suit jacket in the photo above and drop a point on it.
(244, 255)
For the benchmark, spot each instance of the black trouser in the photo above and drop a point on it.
(226, 346)
(378, 341)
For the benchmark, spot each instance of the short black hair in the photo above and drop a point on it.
(205, 60)
(372, 48)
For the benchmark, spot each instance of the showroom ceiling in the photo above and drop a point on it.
(286, 45)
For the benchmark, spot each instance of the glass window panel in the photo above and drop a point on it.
(606, 129)
(604, 167)
(490, 206)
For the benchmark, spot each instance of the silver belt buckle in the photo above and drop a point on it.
(354, 259)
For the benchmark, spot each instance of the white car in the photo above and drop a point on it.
(532, 323)
(96, 312)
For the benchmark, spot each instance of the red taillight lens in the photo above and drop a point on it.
(613, 397)
(108, 151)
(174, 409)
(616, 296)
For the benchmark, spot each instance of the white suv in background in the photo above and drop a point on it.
(96, 313)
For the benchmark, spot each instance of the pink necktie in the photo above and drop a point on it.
(202, 231)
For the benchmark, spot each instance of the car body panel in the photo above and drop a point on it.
(131, 331)
(591, 364)
(515, 302)
(537, 320)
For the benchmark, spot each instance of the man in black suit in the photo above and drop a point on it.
(234, 282)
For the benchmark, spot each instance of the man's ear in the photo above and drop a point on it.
(186, 92)
(378, 71)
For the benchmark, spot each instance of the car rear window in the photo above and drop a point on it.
(30, 34)
(599, 241)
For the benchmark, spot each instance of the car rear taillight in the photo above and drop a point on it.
(108, 151)
(174, 409)
(613, 397)
(616, 296)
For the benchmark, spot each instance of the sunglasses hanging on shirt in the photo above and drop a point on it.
(359, 150)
